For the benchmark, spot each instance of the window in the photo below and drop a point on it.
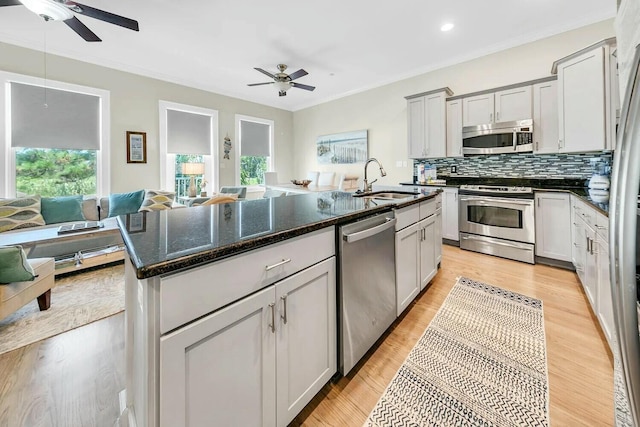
(54, 138)
(188, 134)
(255, 144)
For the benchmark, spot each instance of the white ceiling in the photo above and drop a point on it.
(346, 46)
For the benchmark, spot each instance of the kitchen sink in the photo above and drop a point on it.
(387, 195)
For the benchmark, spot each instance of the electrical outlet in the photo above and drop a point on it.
(398, 163)
(454, 169)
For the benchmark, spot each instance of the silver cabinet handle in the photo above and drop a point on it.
(600, 227)
(490, 117)
(497, 115)
(284, 308)
(272, 306)
(537, 145)
(277, 264)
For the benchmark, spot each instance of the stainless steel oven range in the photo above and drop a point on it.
(498, 221)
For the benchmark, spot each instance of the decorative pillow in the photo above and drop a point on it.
(62, 209)
(156, 200)
(125, 203)
(14, 266)
(23, 212)
(221, 198)
(90, 208)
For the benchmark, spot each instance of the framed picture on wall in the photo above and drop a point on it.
(136, 147)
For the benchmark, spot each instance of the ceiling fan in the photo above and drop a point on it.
(63, 10)
(283, 81)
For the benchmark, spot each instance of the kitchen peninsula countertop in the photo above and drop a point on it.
(574, 186)
(164, 241)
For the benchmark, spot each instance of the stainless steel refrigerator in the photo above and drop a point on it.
(624, 252)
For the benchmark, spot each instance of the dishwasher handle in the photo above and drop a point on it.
(354, 237)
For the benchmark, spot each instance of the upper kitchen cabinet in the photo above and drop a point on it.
(545, 117)
(454, 128)
(587, 99)
(427, 124)
(502, 106)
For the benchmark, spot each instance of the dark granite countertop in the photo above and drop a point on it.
(576, 187)
(164, 241)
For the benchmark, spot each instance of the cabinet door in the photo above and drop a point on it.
(428, 266)
(477, 110)
(436, 125)
(306, 337)
(437, 240)
(513, 104)
(553, 226)
(581, 103)
(407, 266)
(590, 283)
(221, 367)
(454, 128)
(416, 116)
(450, 214)
(605, 304)
(545, 117)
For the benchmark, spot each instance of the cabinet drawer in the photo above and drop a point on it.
(407, 216)
(602, 226)
(429, 207)
(217, 284)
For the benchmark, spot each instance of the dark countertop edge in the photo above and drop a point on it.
(576, 191)
(201, 258)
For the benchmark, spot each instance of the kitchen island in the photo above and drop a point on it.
(231, 308)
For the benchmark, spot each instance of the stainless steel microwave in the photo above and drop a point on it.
(498, 138)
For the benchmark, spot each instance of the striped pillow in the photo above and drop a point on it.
(23, 212)
(156, 200)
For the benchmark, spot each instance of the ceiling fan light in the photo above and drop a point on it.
(49, 10)
(282, 86)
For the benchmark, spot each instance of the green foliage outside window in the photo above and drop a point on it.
(50, 172)
(252, 170)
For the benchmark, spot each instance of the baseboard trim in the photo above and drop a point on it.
(555, 263)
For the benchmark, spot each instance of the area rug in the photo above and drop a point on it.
(481, 362)
(76, 300)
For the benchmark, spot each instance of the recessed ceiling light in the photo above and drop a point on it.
(446, 27)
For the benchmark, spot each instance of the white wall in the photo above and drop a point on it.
(134, 107)
(383, 110)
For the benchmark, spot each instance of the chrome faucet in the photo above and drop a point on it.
(366, 184)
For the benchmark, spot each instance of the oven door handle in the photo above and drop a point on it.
(495, 200)
(494, 242)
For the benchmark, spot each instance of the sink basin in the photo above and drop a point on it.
(387, 195)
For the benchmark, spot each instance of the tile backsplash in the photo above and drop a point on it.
(522, 165)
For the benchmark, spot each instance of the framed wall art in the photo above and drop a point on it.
(346, 147)
(136, 147)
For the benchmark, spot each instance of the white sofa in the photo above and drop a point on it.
(14, 295)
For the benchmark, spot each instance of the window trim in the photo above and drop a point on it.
(270, 160)
(8, 154)
(168, 160)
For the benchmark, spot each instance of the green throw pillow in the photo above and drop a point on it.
(14, 266)
(62, 209)
(125, 203)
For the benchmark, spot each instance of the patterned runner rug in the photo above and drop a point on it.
(481, 362)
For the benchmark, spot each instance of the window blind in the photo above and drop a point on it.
(188, 133)
(254, 139)
(53, 118)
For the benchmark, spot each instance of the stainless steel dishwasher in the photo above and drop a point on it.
(366, 286)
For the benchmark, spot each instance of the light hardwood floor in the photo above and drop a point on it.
(73, 379)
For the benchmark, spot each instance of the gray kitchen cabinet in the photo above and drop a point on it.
(274, 350)
(553, 225)
(605, 303)
(418, 249)
(587, 99)
(427, 124)
(501, 106)
(545, 117)
(454, 128)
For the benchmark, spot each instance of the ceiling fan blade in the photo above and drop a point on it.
(301, 86)
(9, 3)
(103, 15)
(265, 72)
(260, 84)
(298, 74)
(82, 30)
